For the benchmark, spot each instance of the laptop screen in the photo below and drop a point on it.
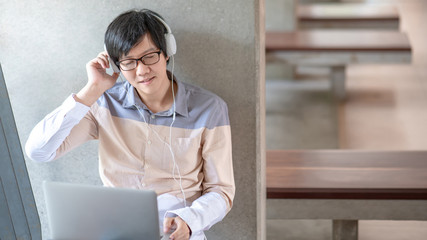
(78, 211)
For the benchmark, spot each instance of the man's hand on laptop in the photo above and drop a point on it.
(182, 230)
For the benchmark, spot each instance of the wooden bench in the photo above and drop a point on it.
(337, 49)
(347, 15)
(346, 186)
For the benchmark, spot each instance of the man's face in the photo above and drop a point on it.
(148, 80)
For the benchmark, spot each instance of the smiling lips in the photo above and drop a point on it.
(146, 81)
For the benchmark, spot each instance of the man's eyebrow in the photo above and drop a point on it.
(142, 54)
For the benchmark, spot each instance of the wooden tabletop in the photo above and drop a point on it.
(347, 174)
(337, 40)
(347, 12)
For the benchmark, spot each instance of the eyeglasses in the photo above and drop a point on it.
(148, 59)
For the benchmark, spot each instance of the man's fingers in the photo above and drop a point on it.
(106, 59)
(103, 61)
(167, 224)
(182, 231)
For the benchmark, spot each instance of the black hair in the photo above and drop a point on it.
(127, 30)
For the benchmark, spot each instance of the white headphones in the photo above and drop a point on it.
(170, 39)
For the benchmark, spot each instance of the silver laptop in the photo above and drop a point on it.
(94, 212)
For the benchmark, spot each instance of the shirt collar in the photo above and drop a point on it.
(181, 107)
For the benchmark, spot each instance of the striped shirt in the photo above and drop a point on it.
(145, 150)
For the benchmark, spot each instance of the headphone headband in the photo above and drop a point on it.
(164, 23)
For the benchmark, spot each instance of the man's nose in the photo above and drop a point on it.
(141, 68)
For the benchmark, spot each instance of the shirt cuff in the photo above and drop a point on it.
(73, 108)
(204, 212)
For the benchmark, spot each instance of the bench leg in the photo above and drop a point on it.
(345, 229)
(338, 81)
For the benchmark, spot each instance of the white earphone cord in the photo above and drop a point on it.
(170, 137)
(175, 165)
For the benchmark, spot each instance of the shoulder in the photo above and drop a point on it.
(116, 94)
(199, 96)
(206, 106)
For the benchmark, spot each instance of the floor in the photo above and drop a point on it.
(385, 110)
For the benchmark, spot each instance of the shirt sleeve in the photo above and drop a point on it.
(217, 156)
(218, 183)
(53, 136)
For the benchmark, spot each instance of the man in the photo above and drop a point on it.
(154, 132)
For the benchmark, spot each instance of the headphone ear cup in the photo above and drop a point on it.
(113, 66)
(170, 44)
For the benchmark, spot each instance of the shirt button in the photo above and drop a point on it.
(149, 142)
(153, 116)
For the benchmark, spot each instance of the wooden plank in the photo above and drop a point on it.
(349, 209)
(342, 174)
(13, 172)
(6, 225)
(337, 41)
(348, 16)
(347, 12)
(338, 58)
(10, 187)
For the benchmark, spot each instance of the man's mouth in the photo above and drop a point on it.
(147, 80)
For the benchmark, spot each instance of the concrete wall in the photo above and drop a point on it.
(44, 46)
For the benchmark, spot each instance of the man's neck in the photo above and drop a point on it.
(160, 101)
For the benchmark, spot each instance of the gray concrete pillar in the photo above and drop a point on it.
(345, 230)
(338, 82)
